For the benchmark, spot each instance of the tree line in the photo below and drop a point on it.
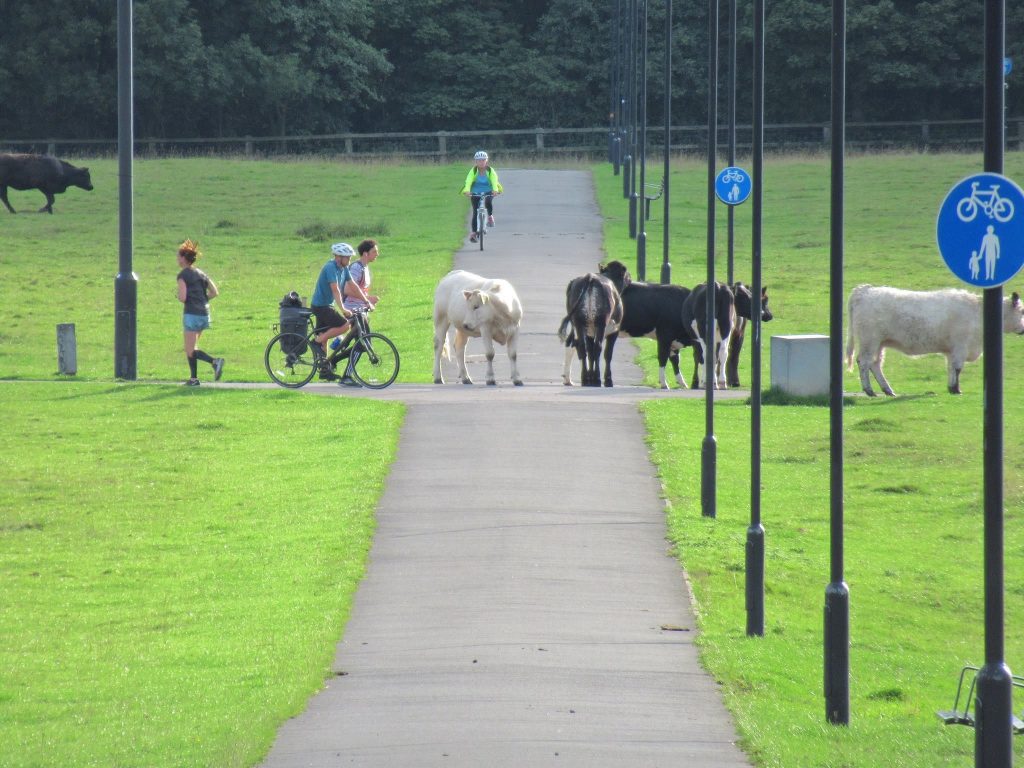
(219, 68)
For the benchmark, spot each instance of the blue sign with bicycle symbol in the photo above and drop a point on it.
(733, 185)
(980, 235)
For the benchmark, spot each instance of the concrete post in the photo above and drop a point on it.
(67, 352)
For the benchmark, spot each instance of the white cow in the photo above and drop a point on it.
(475, 306)
(918, 323)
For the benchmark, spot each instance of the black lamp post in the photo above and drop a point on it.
(641, 240)
(126, 283)
(666, 268)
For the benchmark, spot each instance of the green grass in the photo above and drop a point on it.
(264, 228)
(913, 485)
(177, 565)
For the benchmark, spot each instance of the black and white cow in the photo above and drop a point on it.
(744, 300)
(694, 316)
(651, 310)
(43, 172)
(593, 310)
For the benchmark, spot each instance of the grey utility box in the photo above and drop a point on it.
(800, 364)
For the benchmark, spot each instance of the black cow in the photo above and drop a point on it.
(695, 319)
(594, 310)
(649, 310)
(744, 312)
(744, 302)
(43, 172)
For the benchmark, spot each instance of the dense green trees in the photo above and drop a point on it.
(272, 67)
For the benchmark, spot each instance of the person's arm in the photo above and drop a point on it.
(354, 291)
(182, 291)
(495, 184)
(339, 301)
(469, 181)
(211, 289)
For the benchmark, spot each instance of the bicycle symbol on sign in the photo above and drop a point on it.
(986, 200)
(733, 175)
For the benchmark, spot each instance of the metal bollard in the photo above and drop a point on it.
(67, 352)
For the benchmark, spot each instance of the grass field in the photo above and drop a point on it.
(173, 589)
(913, 487)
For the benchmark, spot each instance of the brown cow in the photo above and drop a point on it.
(43, 172)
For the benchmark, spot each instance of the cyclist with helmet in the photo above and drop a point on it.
(327, 291)
(480, 180)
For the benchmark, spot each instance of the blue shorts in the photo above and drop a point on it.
(195, 322)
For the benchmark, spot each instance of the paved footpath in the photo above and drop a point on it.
(520, 607)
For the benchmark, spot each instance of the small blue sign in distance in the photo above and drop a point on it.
(980, 229)
(733, 185)
(1007, 66)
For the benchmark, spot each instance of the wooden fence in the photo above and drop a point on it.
(442, 146)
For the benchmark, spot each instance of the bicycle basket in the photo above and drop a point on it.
(294, 320)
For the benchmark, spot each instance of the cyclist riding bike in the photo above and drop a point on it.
(328, 290)
(482, 179)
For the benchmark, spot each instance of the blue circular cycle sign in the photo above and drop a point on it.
(733, 185)
(980, 229)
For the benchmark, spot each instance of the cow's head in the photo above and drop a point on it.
(79, 177)
(745, 302)
(479, 310)
(1013, 314)
(616, 272)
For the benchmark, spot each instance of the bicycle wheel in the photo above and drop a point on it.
(290, 360)
(375, 361)
(481, 224)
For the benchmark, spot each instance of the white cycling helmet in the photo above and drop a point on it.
(342, 249)
(481, 155)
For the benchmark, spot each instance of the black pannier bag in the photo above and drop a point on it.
(293, 319)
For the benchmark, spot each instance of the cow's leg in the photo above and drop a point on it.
(570, 352)
(609, 348)
(865, 364)
(697, 362)
(485, 337)
(702, 366)
(876, 369)
(512, 347)
(599, 330)
(49, 203)
(440, 340)
(723, 358)
(955, 365)
(3, 197)
(732, 369)
(579, 332)
(461, 340)
(673, 357)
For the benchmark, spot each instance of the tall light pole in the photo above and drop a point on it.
(126, 283)
(666, 268)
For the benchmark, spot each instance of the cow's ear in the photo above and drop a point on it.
(468, 295)
(764, 291)
(601, 266)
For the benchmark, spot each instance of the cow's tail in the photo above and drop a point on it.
(849, 332)
(563, 329)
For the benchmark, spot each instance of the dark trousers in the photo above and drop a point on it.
(474, 202)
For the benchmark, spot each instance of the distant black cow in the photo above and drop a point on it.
(43, 172)
(593, 310)
(744, 303)
(649, 310)
(744, 313)
(695, 320)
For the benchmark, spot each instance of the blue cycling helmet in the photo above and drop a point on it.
(342, 249)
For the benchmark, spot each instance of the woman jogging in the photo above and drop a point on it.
(482, 179)
(195, 290)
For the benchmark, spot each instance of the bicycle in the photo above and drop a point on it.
(481, 216)
(988, 201)
(732, 175)
(292, 359)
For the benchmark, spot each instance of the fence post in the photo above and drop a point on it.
(1020, 135)
(826, 133)
(67, 352)
(442, 144)
(540, 139)
(248, 146)
(925, 135)
(348, 145)
(51, 148)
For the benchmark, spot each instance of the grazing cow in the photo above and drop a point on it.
(651, 310)
(593, 310)
(744, 308)
(695, 319)
(480, 307)
(918, 323)
(43, 172)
